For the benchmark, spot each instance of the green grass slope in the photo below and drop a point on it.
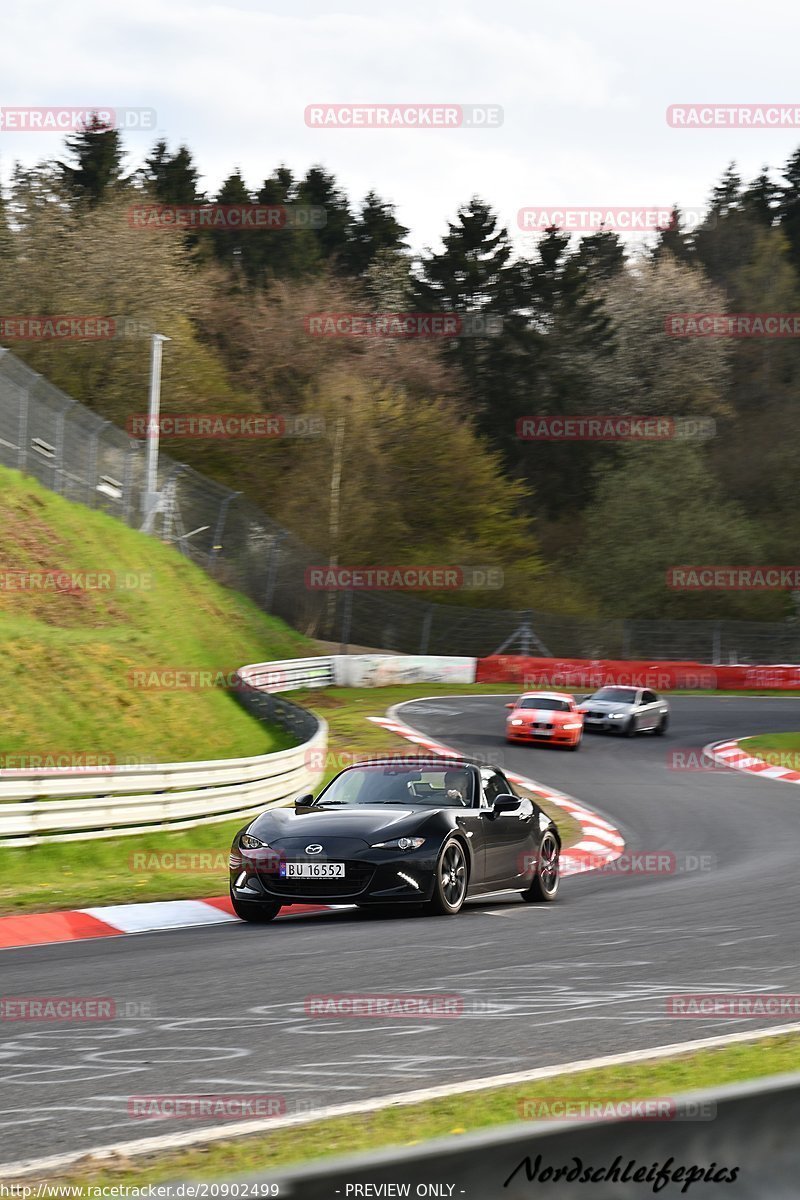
(67, 658)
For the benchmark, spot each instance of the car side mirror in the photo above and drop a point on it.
(512, 705)
(304, 800)
(505, 803)
(579, 709)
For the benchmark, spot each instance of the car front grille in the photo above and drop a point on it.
(358, 876)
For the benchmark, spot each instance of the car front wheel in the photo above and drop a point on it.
(450, 884)
(544, 886)
(258, 914)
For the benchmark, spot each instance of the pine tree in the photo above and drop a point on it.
(172, 177)
(725, 240)
(321, 189)
(474, 277)
(760, 199)
(374, 230)
(97, 167)
(674, 240)
(789, 206)
(600, 256)
(236, 248)
(293, 250)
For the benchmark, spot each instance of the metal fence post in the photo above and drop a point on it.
(216, 544)
(58, 470)
(347, 621)
(427, 622)
(716, 651)
(24, 409)
(626, 639)
(272, 569)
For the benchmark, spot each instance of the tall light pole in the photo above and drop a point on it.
(150, 498)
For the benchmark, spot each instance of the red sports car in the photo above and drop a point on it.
(545, 717)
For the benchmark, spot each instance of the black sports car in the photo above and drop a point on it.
(397, 831)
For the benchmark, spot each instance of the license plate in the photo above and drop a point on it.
(312, 870)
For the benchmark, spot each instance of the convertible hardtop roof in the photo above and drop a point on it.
(418, 761)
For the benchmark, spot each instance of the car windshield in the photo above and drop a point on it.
(550, 703)
(385, 784)
(618, 694)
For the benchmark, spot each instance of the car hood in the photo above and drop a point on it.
(541, 715)
(388, 821)
(606, 705)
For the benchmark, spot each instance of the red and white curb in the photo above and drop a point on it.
(601, 842)
(733, 755)
(42, 929)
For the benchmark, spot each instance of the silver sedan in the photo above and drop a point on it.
(625, 710)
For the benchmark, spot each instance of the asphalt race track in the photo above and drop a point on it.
(586, 976)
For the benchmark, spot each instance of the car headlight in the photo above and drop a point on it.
(617, 716)
(401, 843)
(573, 725)
(516, 721)
(250, 843)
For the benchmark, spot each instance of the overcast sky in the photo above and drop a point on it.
(584, 87)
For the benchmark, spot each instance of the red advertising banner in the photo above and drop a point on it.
(584, 674)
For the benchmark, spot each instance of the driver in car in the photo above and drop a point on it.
(456, 787)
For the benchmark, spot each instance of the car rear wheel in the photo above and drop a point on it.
(544, 886)
(450, 884)
(258, 914)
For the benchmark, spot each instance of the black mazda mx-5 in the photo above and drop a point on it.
(397, 831)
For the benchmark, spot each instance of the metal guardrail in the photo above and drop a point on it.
(65, 805)
(753, 1129)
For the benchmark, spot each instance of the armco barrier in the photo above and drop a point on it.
(747, 1129)
(67, 805)
(588, 674)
